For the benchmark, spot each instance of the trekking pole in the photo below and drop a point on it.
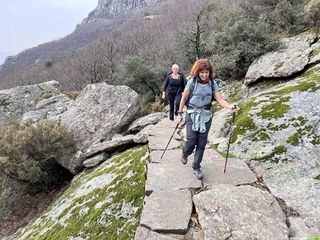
(170, 140)
(233, 117)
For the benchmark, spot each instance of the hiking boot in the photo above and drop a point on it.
(198, 173)
(184, 159)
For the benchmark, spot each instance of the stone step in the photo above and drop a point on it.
(146, 234)
(169, 173)
(167, 211)
(237, 171)
(160, 143)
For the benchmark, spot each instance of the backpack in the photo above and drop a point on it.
(193, 86)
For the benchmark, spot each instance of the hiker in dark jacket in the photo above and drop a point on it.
(202, 88)
(174, 86)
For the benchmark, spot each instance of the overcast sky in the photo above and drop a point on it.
(28, 23)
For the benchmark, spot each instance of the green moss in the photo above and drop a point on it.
(303, 128)
(302, 86)
(224, 154)
(111, 211)
(294, 139)
(274, 156)
(313, 238)
(298, 122)
(261, 135)
(282, 126)
(236, 94)
(244, 122)
(275, 109)
(315, 52)
(316, 140)
(47, 95)
(317, 177)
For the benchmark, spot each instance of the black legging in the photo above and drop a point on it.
(174, 101)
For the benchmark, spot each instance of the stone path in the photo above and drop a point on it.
(170, 187)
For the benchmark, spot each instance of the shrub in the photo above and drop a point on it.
(237, 40)
(313, 16)
(287, 18)
(30, 153)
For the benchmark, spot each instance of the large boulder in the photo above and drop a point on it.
(99, 203)
(278, 133)
(315, 55)
(48, 108)
(100, 111)
(283, 63)
(229, 212)
(14, 102)
(142, 122)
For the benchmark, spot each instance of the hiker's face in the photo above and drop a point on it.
(175, 70)
(204, 75)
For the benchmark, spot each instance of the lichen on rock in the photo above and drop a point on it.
(101, 203)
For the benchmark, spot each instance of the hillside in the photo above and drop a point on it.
(108, 16)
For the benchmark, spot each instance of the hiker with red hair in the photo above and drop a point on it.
(200, 91)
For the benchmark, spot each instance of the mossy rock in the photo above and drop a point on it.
(243, 121)
(275, 156)
(275, 109)
(102, 203)
(315, 52)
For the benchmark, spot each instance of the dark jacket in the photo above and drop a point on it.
(175, 86)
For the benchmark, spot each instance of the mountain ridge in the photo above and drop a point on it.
(106, 17)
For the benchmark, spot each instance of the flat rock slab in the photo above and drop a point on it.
(160, 143)
(170, 157)
(237, 171)
(166, 123)
(169, 173)
(245, 212)
(171, 177)
(167, 211)
(146, 234)
(164, 132)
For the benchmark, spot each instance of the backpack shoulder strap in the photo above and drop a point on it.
(193, 86)
(212, 86)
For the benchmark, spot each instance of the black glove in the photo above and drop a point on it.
(180, 114)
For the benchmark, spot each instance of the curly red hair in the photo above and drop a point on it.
(202, 65)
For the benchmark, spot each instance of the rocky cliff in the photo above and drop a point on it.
(108, 9)
(108, 15)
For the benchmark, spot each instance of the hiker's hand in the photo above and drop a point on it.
(164, 95)
(234, 108)
(179, 118)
